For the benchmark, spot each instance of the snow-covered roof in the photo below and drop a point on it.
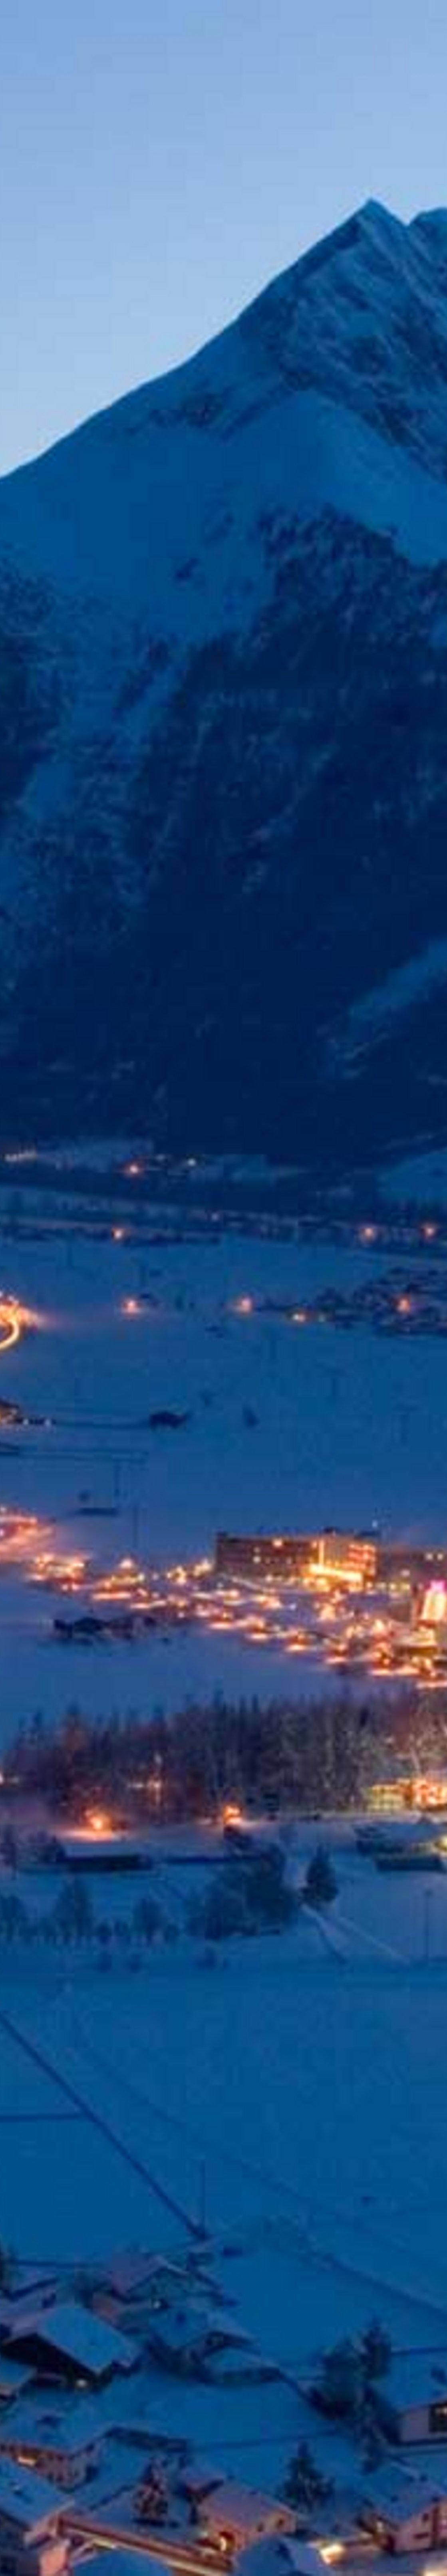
(277, 2552)
(179, 2331)
(119, 2470)
(186, 2327)
(26, 2499)
(33, 2281)
(213, 2419)
(133, 2272)
(415, 2379)
(199, 2476)
(244, 2505)
(14, 2375)
(396, 2495)
(77, 2332)
(51, 2428)
(125, 2562)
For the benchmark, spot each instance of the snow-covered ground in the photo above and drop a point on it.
(295, 2086)
(287, 1429)
(288, 2080)
(297, 2083)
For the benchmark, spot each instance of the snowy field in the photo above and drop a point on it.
(297, 2085)
(286, 1429)
(295, 2088)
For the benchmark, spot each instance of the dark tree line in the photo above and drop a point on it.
(319, 1754)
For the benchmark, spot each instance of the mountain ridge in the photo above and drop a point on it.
(223, 801)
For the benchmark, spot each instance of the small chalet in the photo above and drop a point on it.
(60, 2442)
(68, 2344)
(196, 2344)
(135, 2286)
(406, 2512)
(411, 2401)
(30, 2543)
(236, 2516)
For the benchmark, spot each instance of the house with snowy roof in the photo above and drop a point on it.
(60, 2440)
(197, 2343)
(30, 2541)
(134, 2287)
(67, 2343)
(404, 2512)
(234, 2516)
(411, 2401)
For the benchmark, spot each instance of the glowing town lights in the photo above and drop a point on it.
(14, 1320)
(58, 1573)
(299, 1315)
(334, 1604)
(18, 1534)
(434, 1607)
(331, 2551)
(404, 1305)
(118, 1233)
(95, 1827)
(9, 1327)
(243, 1306)
(368, 1234)
(130, 1306)
(429, 1231)
(133, 1171)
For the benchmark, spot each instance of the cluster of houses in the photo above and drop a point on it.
(96, 2451)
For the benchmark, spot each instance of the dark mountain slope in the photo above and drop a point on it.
(223, 703)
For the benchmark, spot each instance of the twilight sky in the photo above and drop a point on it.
(160, 159)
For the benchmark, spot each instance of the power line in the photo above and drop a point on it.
(98, 2121)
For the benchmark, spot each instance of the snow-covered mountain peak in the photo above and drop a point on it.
(223, 713)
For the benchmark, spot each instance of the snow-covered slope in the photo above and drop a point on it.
(223, 799)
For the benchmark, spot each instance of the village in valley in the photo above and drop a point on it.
(223, 1879)
(223, 1289)
(138, 2416)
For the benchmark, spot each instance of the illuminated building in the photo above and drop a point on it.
(345, 1558)
(29, 2523)
(406, 2512)
(434, 1605)
(410, 1792)
(348, 1558)
(238, 2516)
(61, 2448)
(262, 1555)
